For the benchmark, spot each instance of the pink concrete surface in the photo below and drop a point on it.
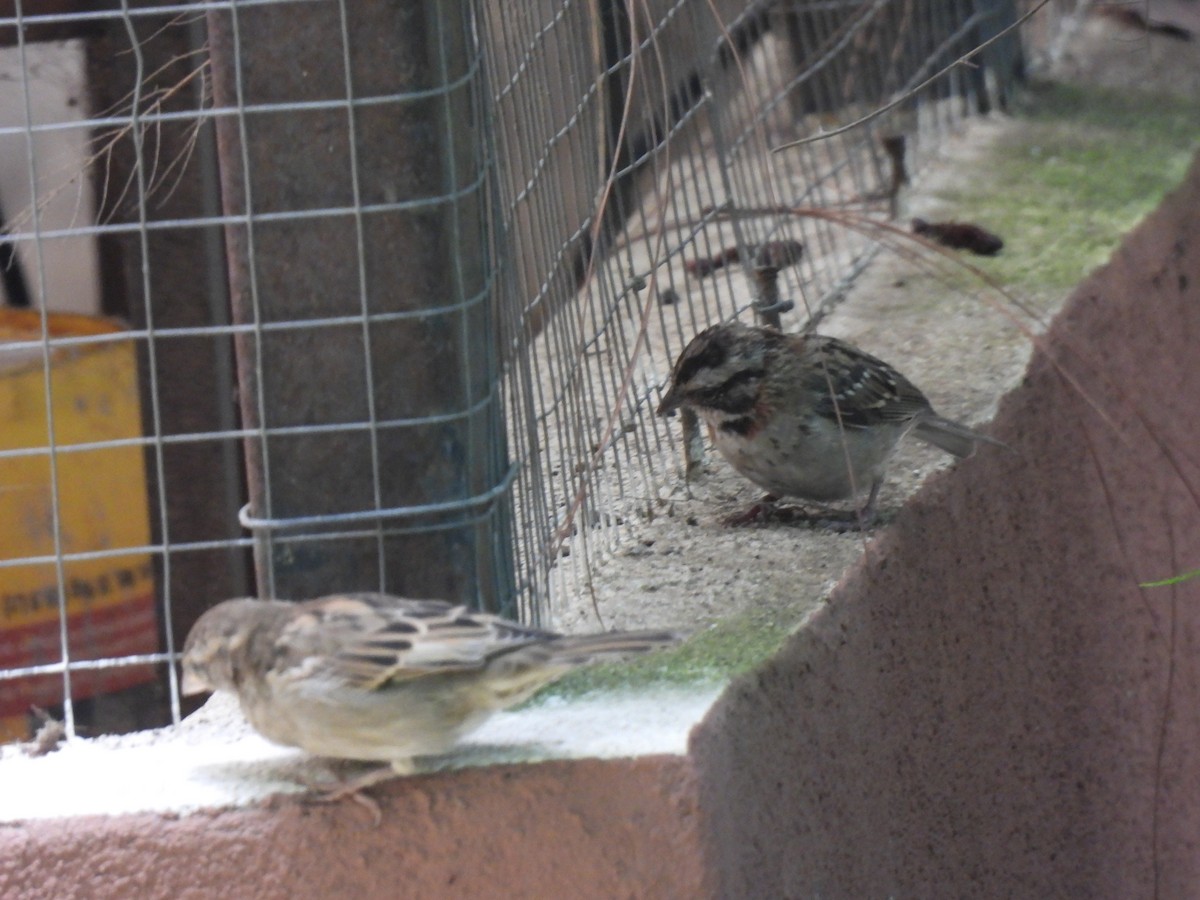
(560, 829)
(989, 706)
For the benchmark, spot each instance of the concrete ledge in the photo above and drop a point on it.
(214, 760)
(208, 809)
(619, 828)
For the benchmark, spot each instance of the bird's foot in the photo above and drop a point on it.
(841, 521)
(353, 788)
(770, 511)
(762, 511)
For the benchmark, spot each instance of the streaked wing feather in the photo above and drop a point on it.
(372, 641)
(406, 639)
(869, 392)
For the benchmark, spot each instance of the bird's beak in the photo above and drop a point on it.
(671, 401)
(192, 684)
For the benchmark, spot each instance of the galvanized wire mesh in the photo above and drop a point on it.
(402, 284)
(635, 147)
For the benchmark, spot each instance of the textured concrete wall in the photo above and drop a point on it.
(990, 706)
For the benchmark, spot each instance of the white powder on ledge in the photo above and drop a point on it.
(213, 759)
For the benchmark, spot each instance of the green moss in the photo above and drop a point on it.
(711, 656)
(1064, 190)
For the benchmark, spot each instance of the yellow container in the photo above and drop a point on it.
(102, 505)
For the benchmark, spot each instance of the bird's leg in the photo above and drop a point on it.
(855, 520)
(354, 787)
(866, 515)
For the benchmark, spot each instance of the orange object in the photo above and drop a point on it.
(102, 505)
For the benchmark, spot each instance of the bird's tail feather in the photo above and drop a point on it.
(581, 649)
(958, 440)
(517, 674)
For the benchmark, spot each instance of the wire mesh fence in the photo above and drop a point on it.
(638, 177)
(325, 295)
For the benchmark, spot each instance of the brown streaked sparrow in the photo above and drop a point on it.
(373, 677)
(805, 416)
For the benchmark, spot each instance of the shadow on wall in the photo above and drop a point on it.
(991, 705)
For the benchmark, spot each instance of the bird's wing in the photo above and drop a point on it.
(858, 389)
(373, 640)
